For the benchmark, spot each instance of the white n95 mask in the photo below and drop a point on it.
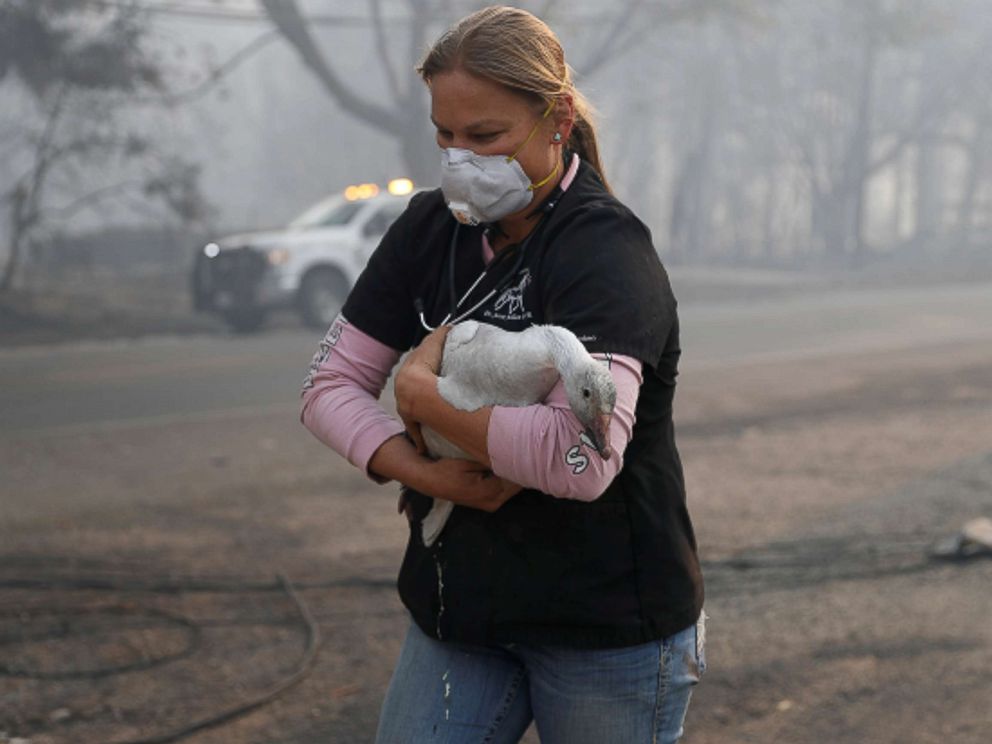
(482, 188)
(486, 188)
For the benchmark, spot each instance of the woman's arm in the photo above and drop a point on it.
(542, 446)
(460, 481)
(340, 407)
(341, 393)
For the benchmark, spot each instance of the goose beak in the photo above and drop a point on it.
(598, 434)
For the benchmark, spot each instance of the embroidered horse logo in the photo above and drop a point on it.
(513, 296)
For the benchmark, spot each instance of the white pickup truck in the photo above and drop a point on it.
(309, 266)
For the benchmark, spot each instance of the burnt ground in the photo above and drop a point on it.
(139, 565)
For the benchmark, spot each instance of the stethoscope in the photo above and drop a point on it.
(521, 252)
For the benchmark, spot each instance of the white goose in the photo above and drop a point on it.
(484, 365)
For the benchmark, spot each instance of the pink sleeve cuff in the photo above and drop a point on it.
(341, 392)
(539, 447)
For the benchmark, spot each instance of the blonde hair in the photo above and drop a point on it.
(518, 50)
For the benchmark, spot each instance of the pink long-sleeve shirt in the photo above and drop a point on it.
(536, 446)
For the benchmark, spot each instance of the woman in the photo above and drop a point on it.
(565, 588)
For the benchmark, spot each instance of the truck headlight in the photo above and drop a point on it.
(211, 250)
(278, 256)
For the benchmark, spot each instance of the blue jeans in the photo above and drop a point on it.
(457, 693)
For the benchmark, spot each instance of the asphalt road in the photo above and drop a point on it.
(828, 440)
(158, 379)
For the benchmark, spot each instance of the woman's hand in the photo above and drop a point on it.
(419, 369)
(467, 483)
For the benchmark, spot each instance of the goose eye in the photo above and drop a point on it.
(586, 393)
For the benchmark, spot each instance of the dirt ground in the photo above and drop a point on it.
(817, 488)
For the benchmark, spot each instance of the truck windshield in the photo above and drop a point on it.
(331, 211)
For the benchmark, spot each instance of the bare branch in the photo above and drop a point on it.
(87, 200)
(947, 99)
(225, 69)
(140, 206)
(625, 35)
(808, 159)
(44, 154)
(608, 45)
(286, 17)
(25, 194)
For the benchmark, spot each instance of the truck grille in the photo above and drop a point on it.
(231, 278)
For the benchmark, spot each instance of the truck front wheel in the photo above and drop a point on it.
(322, 295)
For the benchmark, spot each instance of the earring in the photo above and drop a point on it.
(557, 137)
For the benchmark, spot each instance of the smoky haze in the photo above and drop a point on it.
(817, 177)
(831, 134)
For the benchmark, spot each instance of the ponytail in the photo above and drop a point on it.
(583, 136)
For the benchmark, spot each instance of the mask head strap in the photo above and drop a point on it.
(533, 131)
(554, 171)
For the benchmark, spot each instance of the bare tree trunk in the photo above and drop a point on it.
(286, 17)
(17, 230)
(857, 166)
(741, 238)
(831, 223)
(678, 239)
(638, 156)
(976, 168)
(417, 141)
(691, 198)
(768, 249)
(406, 119)
(25, 198)
(898, 197)
(925, 207)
